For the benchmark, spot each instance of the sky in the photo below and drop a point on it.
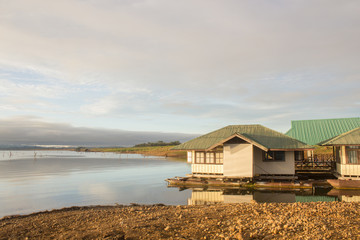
(176, 69)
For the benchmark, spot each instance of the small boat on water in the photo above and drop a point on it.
(344, 183)
(193, 181)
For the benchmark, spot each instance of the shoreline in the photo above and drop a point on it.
(317, 220)
(162, 151)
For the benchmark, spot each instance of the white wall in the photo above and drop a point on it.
(261, 167)
(348, 169)
(345, 168)
(238, 160)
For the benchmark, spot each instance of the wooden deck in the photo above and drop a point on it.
(316, 164)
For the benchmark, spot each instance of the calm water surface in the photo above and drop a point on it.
(44, 180)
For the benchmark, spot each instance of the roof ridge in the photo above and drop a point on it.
(237, 125)
(322, 119)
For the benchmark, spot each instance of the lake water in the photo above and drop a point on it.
(44, 180)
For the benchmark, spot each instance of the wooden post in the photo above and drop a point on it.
(333, 164)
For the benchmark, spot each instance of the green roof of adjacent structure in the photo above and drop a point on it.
(316, 131)
(349, 138)
(258, 134)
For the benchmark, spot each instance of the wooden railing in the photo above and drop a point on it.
(320, 162)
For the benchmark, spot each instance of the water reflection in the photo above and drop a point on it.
(346, 195)
(56, 179)
(64, 179)
(36, 154)
(201, 196)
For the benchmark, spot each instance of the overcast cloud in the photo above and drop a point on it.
(177, 66)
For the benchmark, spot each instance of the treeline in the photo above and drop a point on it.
(158, 143)
(82, 149)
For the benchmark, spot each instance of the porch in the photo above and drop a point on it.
(317, 163)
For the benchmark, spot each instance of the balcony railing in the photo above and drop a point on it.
(319, 162)
(207, 168)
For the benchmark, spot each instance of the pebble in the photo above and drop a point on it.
(336, 220)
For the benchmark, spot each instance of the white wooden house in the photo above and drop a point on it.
(243, 151)
(347, 155)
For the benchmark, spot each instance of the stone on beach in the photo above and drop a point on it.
(321, 220)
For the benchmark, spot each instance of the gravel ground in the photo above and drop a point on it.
(332, 220)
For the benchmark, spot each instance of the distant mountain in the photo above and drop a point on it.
(22, 147)
(24, 133)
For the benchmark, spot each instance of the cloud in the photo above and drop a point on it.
(33, 131)
(179, 65)
(209, 42)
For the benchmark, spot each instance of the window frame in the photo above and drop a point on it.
(352, 149)
(199, 157)
(216, 158)
(274, 155)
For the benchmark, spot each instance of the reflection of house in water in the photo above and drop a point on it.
(345, 198)
(274, 197)
(346, 195)
(201, 197)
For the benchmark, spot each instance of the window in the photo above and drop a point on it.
(200, 157)
(353, 154)
(275, 156)
(219, 157)
(189, 157)
(210, 158)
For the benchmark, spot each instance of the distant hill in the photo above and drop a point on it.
(25, 147)
(158, 143)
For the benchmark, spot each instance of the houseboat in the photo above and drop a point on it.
(343, 134)
(243, 152)
(347, 155)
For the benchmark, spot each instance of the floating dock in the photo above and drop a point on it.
(243, 183)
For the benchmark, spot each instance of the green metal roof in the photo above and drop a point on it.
(349, 138)
(258, 134)
(316, 131)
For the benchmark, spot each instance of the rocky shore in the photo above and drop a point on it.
(332, 220)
